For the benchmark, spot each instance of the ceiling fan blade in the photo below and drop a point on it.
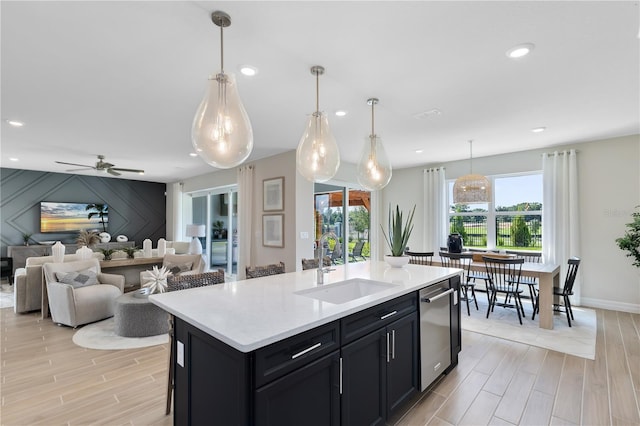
(127, 170)
(75, 164)
(112, 172)
(78, 170)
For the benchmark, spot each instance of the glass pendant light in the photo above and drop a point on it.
(221, 132)
(471, 188)
(374, 168)
(317, 156)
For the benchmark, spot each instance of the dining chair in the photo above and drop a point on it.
(420, 258)
(183, 282)
(264, 271)
(565, 291)
(530, 282)
(461, 261)
(504, 278)
(357, 251)
(336, 253)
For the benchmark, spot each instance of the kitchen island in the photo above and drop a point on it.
(273, 350)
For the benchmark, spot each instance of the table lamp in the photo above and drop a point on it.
(195, 231)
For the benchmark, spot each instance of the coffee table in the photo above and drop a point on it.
(137, 317)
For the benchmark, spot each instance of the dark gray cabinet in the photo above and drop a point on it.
(308, 396)
(360, 369)
(380, 372)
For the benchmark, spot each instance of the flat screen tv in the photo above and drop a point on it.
(71, 217)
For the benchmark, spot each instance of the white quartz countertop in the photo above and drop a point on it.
(251, 314)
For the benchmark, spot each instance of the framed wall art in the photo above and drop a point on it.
(273, 194)
(273, 230)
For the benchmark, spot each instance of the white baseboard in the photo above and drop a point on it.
(610, 305)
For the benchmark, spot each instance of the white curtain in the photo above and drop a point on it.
(560, 215)
(174, 200)
(245, 218)
(435, 209)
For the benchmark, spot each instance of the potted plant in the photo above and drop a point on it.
(130, 251)
(107, 253)
(397, 237)
(218, 229)
(631, 239)
(26, 237)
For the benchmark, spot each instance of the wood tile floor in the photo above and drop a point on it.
(45, 379)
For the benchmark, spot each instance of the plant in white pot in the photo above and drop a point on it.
(397, 237)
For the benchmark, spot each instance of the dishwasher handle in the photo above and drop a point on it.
(439, 296)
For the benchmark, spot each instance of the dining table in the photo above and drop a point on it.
(548, 275)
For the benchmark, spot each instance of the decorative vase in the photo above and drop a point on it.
(105, 237)
(396, 261)
(84, 253)
(162, 247)
(57, 250)
(122, 238)
(146, 248)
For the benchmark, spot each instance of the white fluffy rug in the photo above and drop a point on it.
(6, 296)
(579, 340)
(101, 335)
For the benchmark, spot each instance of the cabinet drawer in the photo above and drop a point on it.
(282, 357)
(361, 323)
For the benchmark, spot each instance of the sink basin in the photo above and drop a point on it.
(345, 291)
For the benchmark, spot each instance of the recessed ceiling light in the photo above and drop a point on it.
(341, 113)
(520, 50)
(419, 151)
(539, 129)
(248, 70)
(15, 123)
(13, 159)
(193, 154)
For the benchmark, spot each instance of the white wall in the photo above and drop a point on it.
(609, 174)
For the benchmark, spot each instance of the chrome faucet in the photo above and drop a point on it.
(321, 270)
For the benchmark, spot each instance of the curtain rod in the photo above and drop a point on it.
(565, 152)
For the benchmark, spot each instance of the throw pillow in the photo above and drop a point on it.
(78, 279)
(176, 268)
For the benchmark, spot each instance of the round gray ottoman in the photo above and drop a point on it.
(137, 317)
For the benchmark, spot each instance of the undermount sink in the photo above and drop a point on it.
(345, 291)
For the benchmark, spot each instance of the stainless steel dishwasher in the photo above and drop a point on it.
(435, 331)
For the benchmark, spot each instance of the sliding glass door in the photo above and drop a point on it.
(346, 212)
(217, 209)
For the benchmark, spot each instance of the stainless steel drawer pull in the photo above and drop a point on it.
(393, 344)
(309, 349)
(441, 295)
(387, 347)
(390, 314)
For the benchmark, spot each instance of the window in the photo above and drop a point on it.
(511, 221)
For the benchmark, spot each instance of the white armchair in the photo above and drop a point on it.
(79, 293)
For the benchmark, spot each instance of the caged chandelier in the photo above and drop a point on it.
(317, 156)
(374, 168)
(471, 188)
(221, 133)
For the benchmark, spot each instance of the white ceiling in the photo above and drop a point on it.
(124, 79)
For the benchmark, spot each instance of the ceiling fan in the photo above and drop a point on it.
(101, 166)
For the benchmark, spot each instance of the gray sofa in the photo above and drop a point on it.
(28, 283)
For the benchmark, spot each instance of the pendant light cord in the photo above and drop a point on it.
(372, 119)
(221, 49)
(318, 93)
